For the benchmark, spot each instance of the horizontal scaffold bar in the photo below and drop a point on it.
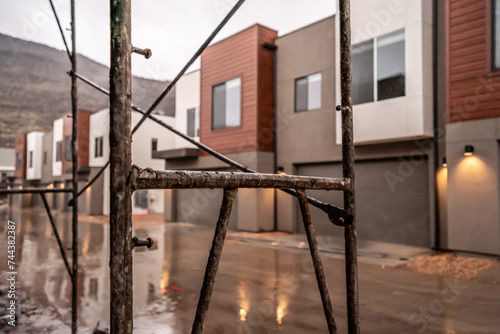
(35, 191)
(158, 179)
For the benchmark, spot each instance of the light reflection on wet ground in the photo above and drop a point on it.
(258, 289)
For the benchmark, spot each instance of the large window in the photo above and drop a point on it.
(226, 104)
(379, 68)
(98, 146)
(495, 5)
(362, 72)
(193, 122)
(67, 149)
(58, 151)
(308, 92)
(30, 159)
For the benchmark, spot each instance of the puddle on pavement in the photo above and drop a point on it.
(253, 298)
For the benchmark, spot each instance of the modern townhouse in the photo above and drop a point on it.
(34, 151)
(393, 119)
(472, 132)
(150, 138)
(62, 162)
(236, 109)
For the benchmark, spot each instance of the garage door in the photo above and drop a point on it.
(392, 200)
(202, 207)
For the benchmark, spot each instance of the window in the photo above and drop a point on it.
(226, 104)
(98, 146)
(58, 151)
(308, 92)
(362, 73)
(67, 149)
(384, 59)
(18, 160)
(154, 144)
(141, 198)
(193, 122)
(391, 65)
(30, 159)
(93, 288)
(45, 157)
(495, 50)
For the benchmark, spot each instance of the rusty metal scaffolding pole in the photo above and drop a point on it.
(213, 261)
(120, 218)
(56, 234)
(317, 263)
(348, 166)
(74, 169)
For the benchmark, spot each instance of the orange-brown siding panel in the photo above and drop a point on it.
(474, 90)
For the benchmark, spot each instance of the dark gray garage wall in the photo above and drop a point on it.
(202, 207)
(392, 200)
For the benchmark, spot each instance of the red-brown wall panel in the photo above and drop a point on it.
(473, 87)
(20, 148)
(240, 55)
(83, 127)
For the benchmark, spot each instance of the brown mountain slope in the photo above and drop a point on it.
(35, 89)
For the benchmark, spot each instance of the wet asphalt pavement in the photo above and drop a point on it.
(260, 288)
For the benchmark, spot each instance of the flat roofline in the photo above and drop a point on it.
(306, 26)
(243, 30)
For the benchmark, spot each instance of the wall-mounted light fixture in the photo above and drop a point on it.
(469, 150)
(281, 171)
(445, 164)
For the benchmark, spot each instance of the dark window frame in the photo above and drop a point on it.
(45, 157)
(19, 160)
(295, 104)
(68, 154)
(30, 159)
(58, 151)
(98, 147)
(241, 104)
(154, 144)
(375, 67)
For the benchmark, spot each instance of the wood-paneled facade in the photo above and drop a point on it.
(20, 148)
(473, 85)
(83, 139)
(241, 55)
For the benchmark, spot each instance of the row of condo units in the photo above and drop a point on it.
(427, 172)
(45, 159)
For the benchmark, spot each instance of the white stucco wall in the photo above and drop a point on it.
(34, 143)
(407, 117)
(141, 152)
(58, 136)
(187, 96)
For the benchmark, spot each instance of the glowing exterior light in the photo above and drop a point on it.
(469, 150)
(281, 171)
(445, 164)
(243, 315)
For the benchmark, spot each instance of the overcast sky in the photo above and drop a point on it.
(173, 29)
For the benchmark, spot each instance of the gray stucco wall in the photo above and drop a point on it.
(253, 209)
(473, 198)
